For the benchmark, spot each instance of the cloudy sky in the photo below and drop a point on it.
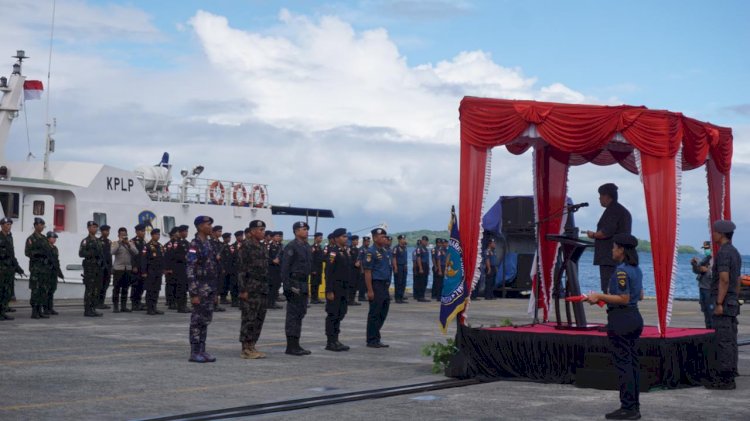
(354, 105)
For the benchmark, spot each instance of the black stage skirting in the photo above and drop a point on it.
(541, 353)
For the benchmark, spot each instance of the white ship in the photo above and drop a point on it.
(68, 194)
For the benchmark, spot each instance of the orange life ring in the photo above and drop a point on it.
(745, 279)
(216, 193)
(242, 191)
(258, 196)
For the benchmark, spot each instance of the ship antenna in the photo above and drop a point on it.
(49, 145)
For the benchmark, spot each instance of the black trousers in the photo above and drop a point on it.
(136, 292)
(400, 282)
(726, 347)
(296, 309)
(106, 279)
(362, 286)
(335, 313)
(489, 284)
(420, 285)
(437, 286)
(624, 328)
(378, 310)
(274, 283)
(120, 285)
(181, 287)
(605, 274)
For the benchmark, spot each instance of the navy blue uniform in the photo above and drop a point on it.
(338, 273)
(377, 261)
(438, 266)
(420, 279)
(727, 260)
(490, 275)
(400, 255)
(295, 271)
(616, 219)
(625, 325)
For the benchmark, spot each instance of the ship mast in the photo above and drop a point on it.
(49, 142)
(11, 100)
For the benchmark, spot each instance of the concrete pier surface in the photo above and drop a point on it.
(130, 366)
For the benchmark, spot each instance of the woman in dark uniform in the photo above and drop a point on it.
(625, 323)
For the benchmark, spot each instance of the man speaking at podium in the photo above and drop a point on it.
(615, 220)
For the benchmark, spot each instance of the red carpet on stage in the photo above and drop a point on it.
(648, 331)
(543, 353)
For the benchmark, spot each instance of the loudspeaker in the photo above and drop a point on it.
(518, 215)
(523, 274)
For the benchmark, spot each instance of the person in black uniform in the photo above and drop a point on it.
(107, 269)
(725, 306)
(179, 269)
(400, 256)
(338, 273)
(615, 220)
(295, 271)
(377, 265)
(234, 290)
(170, 284)
(624, 323)
(362, 288)
(438, 267)
(153, 270)
(421, 269)
(316, 276)
(216, 233)
(136, 290)
(354, 251)
(228, 257)
(274, 269)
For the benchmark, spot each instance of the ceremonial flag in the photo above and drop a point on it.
(32, 89)
(453, 296)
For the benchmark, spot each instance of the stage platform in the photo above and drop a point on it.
(545, 354)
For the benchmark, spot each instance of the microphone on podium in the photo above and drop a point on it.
(573, 208)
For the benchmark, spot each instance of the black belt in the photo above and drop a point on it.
(380, 280)
(621, 308)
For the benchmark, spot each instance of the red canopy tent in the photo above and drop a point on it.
(656, 144)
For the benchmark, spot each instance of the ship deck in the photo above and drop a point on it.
(129, 365)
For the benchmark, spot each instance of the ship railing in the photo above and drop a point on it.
(216, 192)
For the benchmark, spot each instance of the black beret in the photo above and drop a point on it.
(257, 223)
(625, 240)
(248, 230)
(202, 220)
(173, 231)
(6, 221)
(217, 228)
(425, 238)
(268, 232)
(122, 229)
(182, 228)
(378, 231)
(355, 237)
(724, 226)
(401, 237)
(139, 227)
(51, 234)
(366, 238)
(300, 224)
(155, 231)
(318, 234)
(330, 236)
(389, 238)
(275, 233)
(38, 221)
(338, 232)
(226, 235)
(88, 224)
(105, 227)
(239, 233)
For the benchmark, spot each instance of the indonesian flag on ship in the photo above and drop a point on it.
(32, 89)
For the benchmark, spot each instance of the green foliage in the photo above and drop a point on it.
(506, 323)
(441, 354)
(645, 246)
(413, 236)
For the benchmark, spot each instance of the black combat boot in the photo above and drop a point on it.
(115, 307)
(293, 348)
(124, 305)
(35, 312)
(51, 308)
(195, 354)
(209, 358)
(331, 345)
(341, 346)
(43, 312)
(235, 302)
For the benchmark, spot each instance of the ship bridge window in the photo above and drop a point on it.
(38, 207)
(168, 223)
(100, 218)
(10, 203)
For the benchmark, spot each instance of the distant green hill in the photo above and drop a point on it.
(412, 236)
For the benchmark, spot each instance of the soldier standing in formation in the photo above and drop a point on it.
(55, 272)
(361, 275)
(338, 275)
(136, 292)
(153, 270)
(39, 252)
(316, 274)
(399, 269)
(124, 252)
(377, 265)
(421, 269)
(203, 276)
(107, 268)
(438, 257)
(179, 268)
(227, 258)
(726, 307)
(234, 292)
(274, 268)
(295, 271)
(253, 287)
(354, 250)
(9, 267)
(219, 247)
(170, 284)
(92, 254)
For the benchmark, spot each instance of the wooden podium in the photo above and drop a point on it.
(572, 249)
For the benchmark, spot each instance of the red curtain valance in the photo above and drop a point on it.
(586, 129)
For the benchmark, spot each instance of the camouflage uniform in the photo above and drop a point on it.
(8, 268)
(91, 252)
(203, 276)
(39, 252)
(253, 280)
(152, 261)
(54, 272)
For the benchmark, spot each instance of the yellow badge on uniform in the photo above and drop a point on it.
(622, 279)
(369, 257)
